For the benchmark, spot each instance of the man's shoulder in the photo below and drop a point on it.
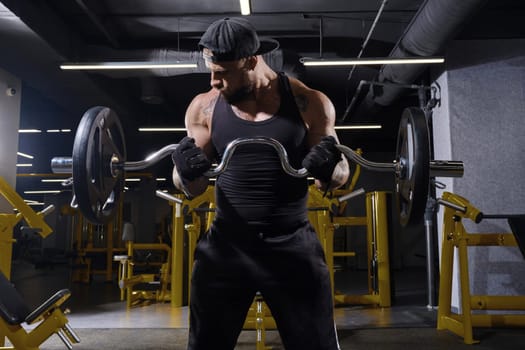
(304, 95)
(206, 97)
(299, 88)
(202, 105)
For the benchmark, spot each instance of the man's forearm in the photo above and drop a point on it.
(339, 177)
(190, 188)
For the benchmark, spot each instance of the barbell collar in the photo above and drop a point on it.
(446, 168)
(62, 165)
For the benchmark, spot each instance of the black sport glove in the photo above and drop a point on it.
(322, 159)
(190, 160)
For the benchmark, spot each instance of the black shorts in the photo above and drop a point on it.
(288, 269)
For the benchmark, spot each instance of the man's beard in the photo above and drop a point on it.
(241, 94)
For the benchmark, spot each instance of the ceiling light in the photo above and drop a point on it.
(132, 179)
(25, 155)
(245, 7)
(125, 65)
(42, 192)
(29, 131)
(53, 180)
(161, 129)
(52, 130)
(35, 203)
(369, 61)
(24, 165)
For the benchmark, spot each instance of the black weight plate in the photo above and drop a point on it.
(97, 188)
(413, 153)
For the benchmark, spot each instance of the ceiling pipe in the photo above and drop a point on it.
(433, 26)
(279, 60)
(151, 90)
(97, 22)
(369, 35)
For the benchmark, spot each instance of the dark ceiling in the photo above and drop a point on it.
(36, 36)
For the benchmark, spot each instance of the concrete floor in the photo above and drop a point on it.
(96, 307)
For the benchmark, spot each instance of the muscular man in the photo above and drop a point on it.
(260, 240)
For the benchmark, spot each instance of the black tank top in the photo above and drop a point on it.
(254, 189)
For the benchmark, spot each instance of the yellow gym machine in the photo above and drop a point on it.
(14, 312)
(49, 317)
(9, 221)
(259, 318)
(172, 270)
(102, 241)
(456, 238)
(375, 221)
(130, 283)
(182, 209)
(326, 214)
(94, 239)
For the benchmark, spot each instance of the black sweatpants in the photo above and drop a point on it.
(290, 272)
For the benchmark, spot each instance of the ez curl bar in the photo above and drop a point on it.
(98, 164)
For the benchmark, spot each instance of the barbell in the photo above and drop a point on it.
(98, 164)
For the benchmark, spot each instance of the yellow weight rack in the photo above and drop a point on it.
(454, 237)
(376, 223)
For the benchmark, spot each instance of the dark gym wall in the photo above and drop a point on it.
(10, 92)
(481, 121)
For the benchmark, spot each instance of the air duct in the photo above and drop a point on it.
(279, 60)
(433, 26)
(151, 90)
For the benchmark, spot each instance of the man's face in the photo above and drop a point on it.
(231, 79)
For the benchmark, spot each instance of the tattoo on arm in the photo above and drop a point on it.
(207, 110)
(302, 102)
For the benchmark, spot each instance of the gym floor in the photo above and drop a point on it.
(102, 320)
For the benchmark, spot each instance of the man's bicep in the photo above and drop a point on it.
(197, 125)
(320, 118)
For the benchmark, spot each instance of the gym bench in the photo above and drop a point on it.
(14, 312)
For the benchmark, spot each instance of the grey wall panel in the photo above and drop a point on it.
(482, 122)
(9, 123)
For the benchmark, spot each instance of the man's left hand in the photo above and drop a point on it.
(322, 159)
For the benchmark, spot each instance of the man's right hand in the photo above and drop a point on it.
(191, 161)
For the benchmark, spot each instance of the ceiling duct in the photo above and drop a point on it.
(280, 60)
(151, 89)
(433, 26)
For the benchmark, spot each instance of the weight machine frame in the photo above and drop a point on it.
(455, 236)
